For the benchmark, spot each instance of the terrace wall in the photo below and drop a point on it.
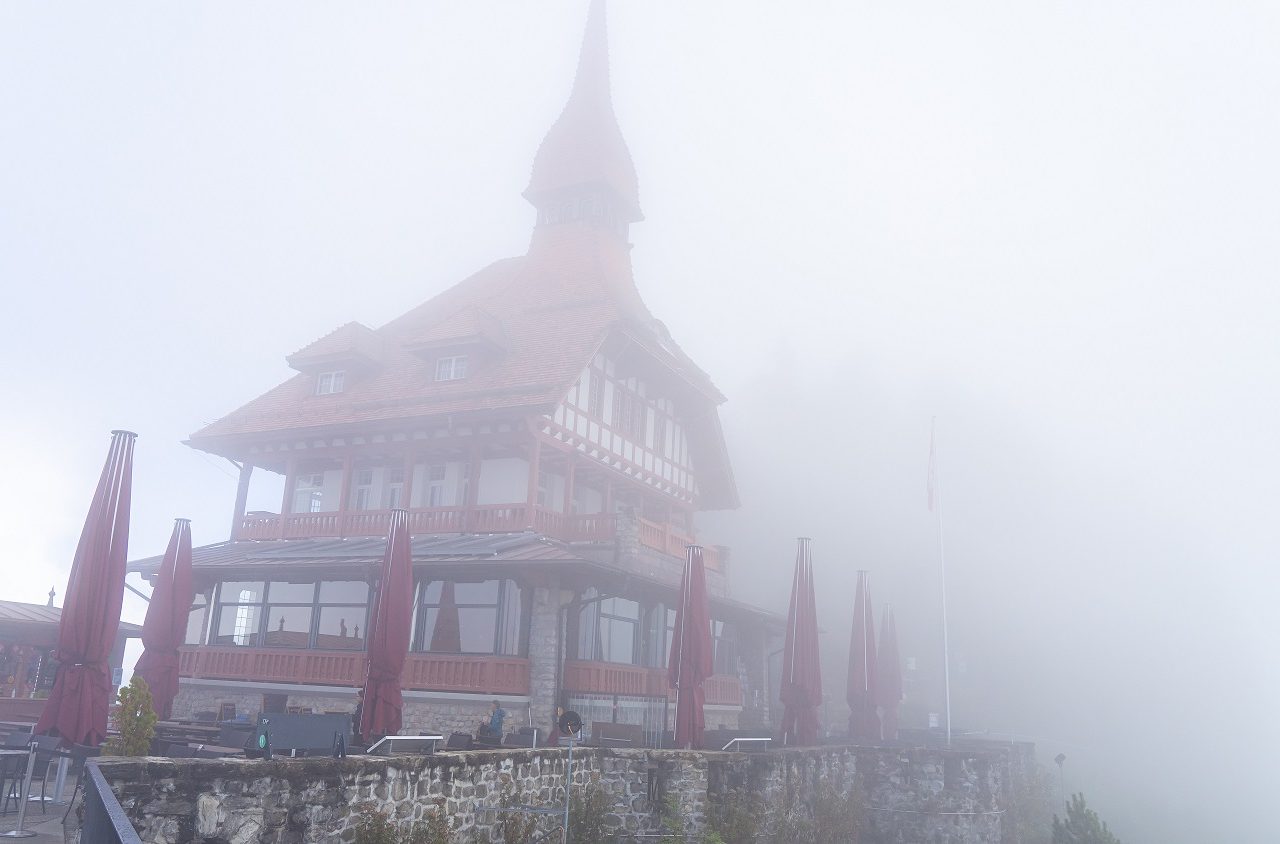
(915, 795)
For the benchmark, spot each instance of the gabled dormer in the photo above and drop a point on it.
(337, 359)
(460, 345)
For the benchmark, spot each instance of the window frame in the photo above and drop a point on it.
(331, 382)
(451, 368)
(500, 607)
(258, 638)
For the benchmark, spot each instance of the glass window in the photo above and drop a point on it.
(238, 625)
(328, 383)
(242, 591)
(726, 648)
(291, 593)
(343, 592)
(288, 627)
(341, 628)
(452, 368)
(308, 493)
(481, 618)
(362, 491)
(195, 623)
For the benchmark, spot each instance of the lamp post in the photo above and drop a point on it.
(1062, 778)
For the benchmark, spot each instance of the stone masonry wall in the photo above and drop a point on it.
(903, 796)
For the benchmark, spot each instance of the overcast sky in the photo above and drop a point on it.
(1053, 225)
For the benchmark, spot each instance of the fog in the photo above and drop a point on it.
(1052, 226)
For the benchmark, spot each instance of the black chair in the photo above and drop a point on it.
(459, 741)
(13, 769)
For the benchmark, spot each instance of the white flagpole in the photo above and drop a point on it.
(936, 478)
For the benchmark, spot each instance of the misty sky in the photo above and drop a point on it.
(1053, 225)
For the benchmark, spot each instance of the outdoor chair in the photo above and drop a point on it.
(12, 771)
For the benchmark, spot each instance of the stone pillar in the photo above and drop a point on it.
(544, 652)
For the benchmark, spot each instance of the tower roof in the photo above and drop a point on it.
(585, 147)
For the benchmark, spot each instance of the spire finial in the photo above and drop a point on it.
(583, 169)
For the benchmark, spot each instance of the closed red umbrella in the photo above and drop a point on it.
(381, 712)
(888, 675)
(690, 662)
(864, 724)
(77, 706)
(446, 634)
(165, 627)
(801, 691)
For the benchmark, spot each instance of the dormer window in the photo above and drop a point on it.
(452, 368)
(328, 383)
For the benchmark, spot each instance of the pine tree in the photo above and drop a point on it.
(1082, 826)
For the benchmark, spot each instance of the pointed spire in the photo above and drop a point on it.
(583, 170)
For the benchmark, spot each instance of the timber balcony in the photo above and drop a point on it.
(609, 678)
(491, 518)
(486, 675)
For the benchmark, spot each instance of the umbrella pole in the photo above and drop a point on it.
(26, 793)
(684, 611)
(942, 565)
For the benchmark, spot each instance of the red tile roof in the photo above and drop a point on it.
(352, 341)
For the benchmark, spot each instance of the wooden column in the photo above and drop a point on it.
(473, 487)
(570, 466)
(344, 496)
(242, 498)
(290, 478)
(406, 497)
(535, 466)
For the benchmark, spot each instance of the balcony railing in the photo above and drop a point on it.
(492, 518)
(668, 540)
(478, 674)
(608, 678)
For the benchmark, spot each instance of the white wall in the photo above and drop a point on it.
(504, 480)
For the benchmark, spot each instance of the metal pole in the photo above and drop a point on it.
(942, 558)
(684, 611)
(568, 781)
(26, 792)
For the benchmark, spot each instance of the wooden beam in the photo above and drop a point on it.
(242, 498)
(535, 466)
(570, 470)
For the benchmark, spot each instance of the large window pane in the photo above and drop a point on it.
(617, 640)
(478, 627)
(195, 625)
(238, 625)
(341, 592)
(288, 627)
(485, 592)
(242, 592)
(341, 628)
(292, 593)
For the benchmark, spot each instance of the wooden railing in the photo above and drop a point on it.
(477, 674)
(490, 518)
(608, 678)
(668, 540)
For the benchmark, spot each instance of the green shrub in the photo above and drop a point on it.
(1082, 826)
(135, 719)
(376, 827)
(587, 809)
(516, 827)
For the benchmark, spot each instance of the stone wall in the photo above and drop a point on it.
(900, 796)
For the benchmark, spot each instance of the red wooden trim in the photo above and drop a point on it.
(477, 674)
(609, 678)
